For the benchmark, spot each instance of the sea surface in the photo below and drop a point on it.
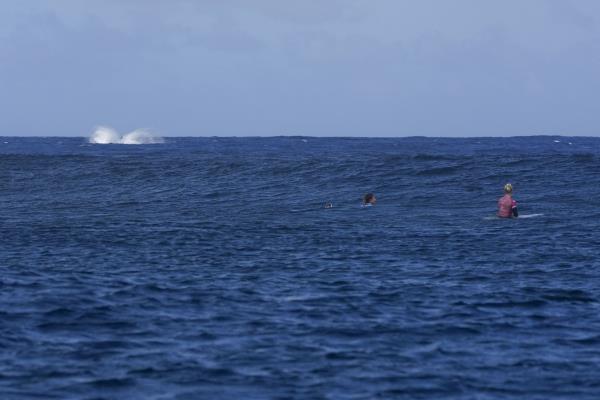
(208, 268)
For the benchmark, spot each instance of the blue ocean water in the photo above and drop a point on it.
(208, 268)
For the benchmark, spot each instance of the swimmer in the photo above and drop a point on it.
(369, 200)
(507, 206)
(328, 205)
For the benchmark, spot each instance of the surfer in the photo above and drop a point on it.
(369, 200)
(507, 206)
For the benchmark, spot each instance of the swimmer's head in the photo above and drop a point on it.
(508, 188)
(369, 198)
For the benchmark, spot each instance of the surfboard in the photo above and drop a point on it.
(521, 216)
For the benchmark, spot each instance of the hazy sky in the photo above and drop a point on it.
(301, 67)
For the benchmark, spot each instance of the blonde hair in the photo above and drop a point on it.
(508, 188)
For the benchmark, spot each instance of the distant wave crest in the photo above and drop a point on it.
(107, 135)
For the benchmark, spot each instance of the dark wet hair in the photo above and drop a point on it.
(368, 197)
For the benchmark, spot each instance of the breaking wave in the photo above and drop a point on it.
(107, 135)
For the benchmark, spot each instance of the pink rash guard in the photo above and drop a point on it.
(505, 206)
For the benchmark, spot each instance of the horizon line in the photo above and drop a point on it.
(320, 137)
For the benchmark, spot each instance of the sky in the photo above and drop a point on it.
(300, 67)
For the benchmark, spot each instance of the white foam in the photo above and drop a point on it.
(107, 135)
(140, 136)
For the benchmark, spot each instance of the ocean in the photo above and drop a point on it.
(209, 268)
